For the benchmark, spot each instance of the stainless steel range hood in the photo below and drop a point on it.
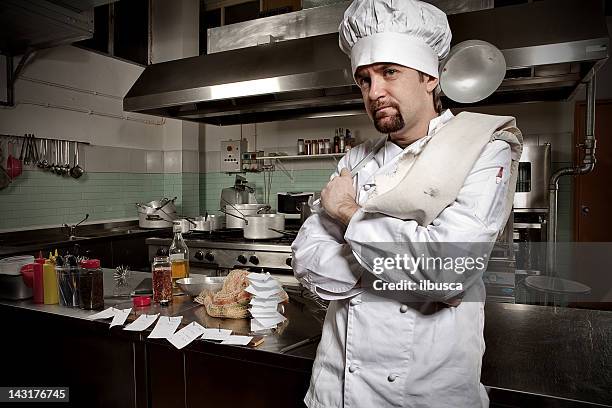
(550, 47)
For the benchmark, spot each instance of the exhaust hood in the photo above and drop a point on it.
(550, 47)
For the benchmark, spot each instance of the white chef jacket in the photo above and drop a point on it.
(399, 350)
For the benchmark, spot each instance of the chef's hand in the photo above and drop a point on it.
(338, 197)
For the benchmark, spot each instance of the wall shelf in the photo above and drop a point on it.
(303, 156)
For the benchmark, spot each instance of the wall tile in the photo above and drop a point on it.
(173, 161)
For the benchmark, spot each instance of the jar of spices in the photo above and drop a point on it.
(307, 147)
(315, 146)
(342, 145)
(91, 285)
(300, 147)
(162, 279)
(327, 146)
(321, 146)
(336, 144)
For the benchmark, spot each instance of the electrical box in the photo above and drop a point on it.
(231, 155)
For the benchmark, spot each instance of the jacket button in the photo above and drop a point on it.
(354, 302)
(352, 369)
(367, 187)
(404, 308)
(392, 377)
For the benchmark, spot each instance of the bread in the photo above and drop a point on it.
(231, 301)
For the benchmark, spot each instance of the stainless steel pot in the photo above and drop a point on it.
(216, 221)
(157, 214)
(236, 213)
(264, 226)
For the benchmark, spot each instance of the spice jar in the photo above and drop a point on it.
(327, 144)
(91, 285)
(300, 146)
(307, 147)
(162, 279)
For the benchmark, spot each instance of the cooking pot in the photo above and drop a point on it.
(264, 226)
(236, 213)
(157, 214)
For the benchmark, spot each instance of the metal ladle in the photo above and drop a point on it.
(66, 169)
(77, 171)
(54, 156)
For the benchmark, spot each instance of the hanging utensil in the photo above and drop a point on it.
(77, 171)
(40, 153)
(67, 158)
(13, 166)
(472, 71)
(56, 159)
(43, 159)
(26, 149)
(23, 143)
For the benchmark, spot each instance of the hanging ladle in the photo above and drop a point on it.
(76, 171)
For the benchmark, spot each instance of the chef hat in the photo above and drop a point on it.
(405, 32)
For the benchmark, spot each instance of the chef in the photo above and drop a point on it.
(436, 178)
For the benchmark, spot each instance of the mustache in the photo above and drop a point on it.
(377, 105)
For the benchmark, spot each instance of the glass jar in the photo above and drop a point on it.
(68, 283)
(162, 279)
(91, 285)
(300, 147)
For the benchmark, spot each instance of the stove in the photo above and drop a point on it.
(228, 249)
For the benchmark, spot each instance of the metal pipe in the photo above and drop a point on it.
(588, 164)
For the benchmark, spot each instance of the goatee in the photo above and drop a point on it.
(389, 124)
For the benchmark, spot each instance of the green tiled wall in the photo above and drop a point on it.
(211, 185)
(36, 198)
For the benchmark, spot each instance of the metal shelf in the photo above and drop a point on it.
(303, 156)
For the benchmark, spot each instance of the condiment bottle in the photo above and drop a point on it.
(38, 286)
(179, 255)
(162, 279)
(91, 285)
(300, 146)
(51, 291)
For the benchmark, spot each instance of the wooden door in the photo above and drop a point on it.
(593, 191)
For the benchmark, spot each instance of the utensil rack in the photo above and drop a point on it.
(6, 136)
(46, 154)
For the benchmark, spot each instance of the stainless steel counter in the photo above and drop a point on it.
(533, 351)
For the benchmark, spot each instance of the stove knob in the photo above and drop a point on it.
(254, 259)
(199, 256)
(209, 257)
(288, 261)
(242, 259)
(162, 252)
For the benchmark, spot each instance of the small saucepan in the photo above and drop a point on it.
(264, 226)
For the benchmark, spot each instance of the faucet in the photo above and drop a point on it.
(72, 227)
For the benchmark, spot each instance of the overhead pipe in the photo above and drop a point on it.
(587, 166)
